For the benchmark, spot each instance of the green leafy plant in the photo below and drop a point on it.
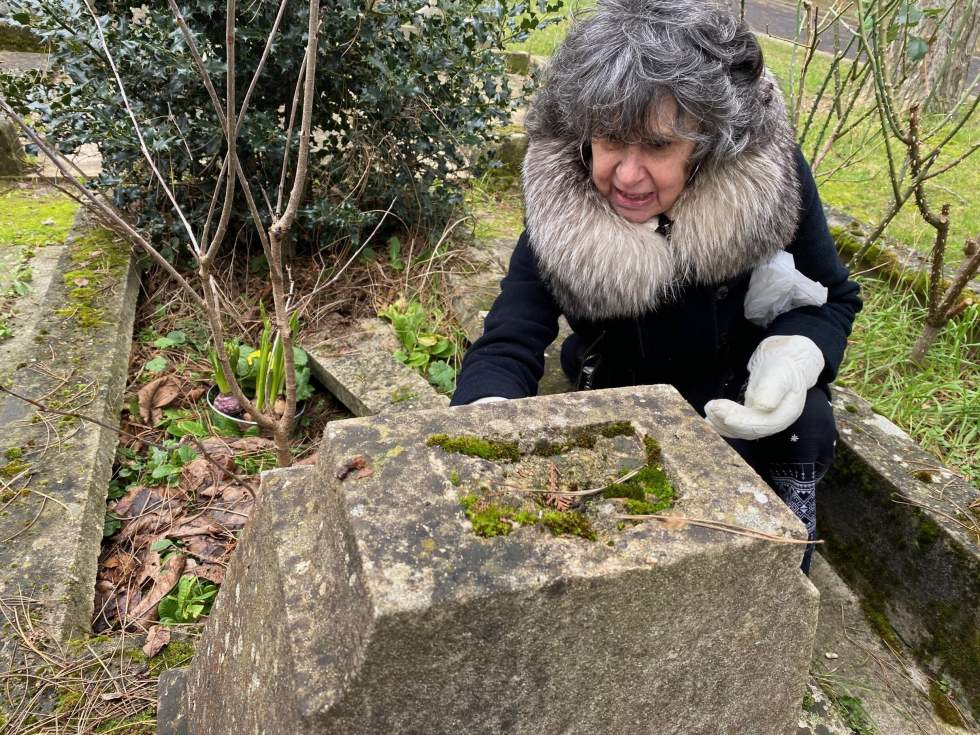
(261, 372)
(416, 87)
(166, 548)
(166, 464)
(423, 347)
(189, 600)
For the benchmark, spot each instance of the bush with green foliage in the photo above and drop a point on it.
(404, 89)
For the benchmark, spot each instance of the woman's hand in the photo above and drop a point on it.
(781, 370)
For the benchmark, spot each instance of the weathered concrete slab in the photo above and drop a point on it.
(20, 314)
(54, 471)
(369, 605)
(878, 680)
(900, 529)
(360, 370)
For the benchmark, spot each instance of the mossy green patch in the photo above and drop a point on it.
(68, 699)
(874, 613)
(855, 716)
(495, 450)
(567, 523)
(142, 723)
(455, 479)
(100, 259)
(13, 468)
(16, 38)
(942, 703)
(928, 532)
(31, 219)
(13, 453)
(493, 519)
(649, 491)
(583, 437)
(923, 475)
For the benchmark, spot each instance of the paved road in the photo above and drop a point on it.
(778, 19)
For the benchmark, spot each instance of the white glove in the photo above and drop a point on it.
(781, 371)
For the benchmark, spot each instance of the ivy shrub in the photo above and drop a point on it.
(404, 91)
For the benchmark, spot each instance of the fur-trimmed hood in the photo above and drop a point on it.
(733, 215)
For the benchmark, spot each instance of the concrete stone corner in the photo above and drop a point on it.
(363, 600)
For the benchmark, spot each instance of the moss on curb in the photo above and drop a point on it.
(100, 259)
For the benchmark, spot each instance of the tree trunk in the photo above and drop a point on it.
(923, 343)
(937, 80)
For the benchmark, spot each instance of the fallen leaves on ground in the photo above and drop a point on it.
(156, 639)
(155, 396)
(193, 523)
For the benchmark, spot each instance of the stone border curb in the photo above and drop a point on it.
(897, 523)
(52, 530)
(362, 373)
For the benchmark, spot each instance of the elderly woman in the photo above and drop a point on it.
(663, 192)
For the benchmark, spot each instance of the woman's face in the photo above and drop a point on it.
(642, 180)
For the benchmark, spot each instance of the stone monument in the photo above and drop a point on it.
(486, 569)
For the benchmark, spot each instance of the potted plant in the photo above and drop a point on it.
(261, 374)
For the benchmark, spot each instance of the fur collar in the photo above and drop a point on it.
(598, 265)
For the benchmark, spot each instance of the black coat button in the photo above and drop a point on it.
(721, 293)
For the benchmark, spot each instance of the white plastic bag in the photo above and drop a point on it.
(777, 287)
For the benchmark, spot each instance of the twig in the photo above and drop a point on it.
(717, 526)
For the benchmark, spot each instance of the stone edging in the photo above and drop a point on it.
(53, 526)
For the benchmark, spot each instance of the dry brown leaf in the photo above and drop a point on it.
(155, 395)
(212, 572)
(352, 465)
(201, 477)
(362, 473)
(195, 527)
(311, 459)
(192, 396)
(157, 637)
(164, 580)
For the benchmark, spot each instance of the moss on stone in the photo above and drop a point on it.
(649, 491)
(928, 532)
(68, 699)
(455, 479)
(13, 468)
(943, 704)
(584, 437)
(492, 519)
(850, 408)
(473, 446)
(653, 451)
(923, 476)
(569, 523)
(100, 259)
(874, 613)
(13, 453)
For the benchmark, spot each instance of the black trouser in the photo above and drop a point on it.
(793, 461)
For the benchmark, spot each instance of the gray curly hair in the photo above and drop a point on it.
(621, 59)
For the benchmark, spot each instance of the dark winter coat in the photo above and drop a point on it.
(650, 308)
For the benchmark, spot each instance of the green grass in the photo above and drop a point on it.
(23, 215)
(939, 404)
(863, 189)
